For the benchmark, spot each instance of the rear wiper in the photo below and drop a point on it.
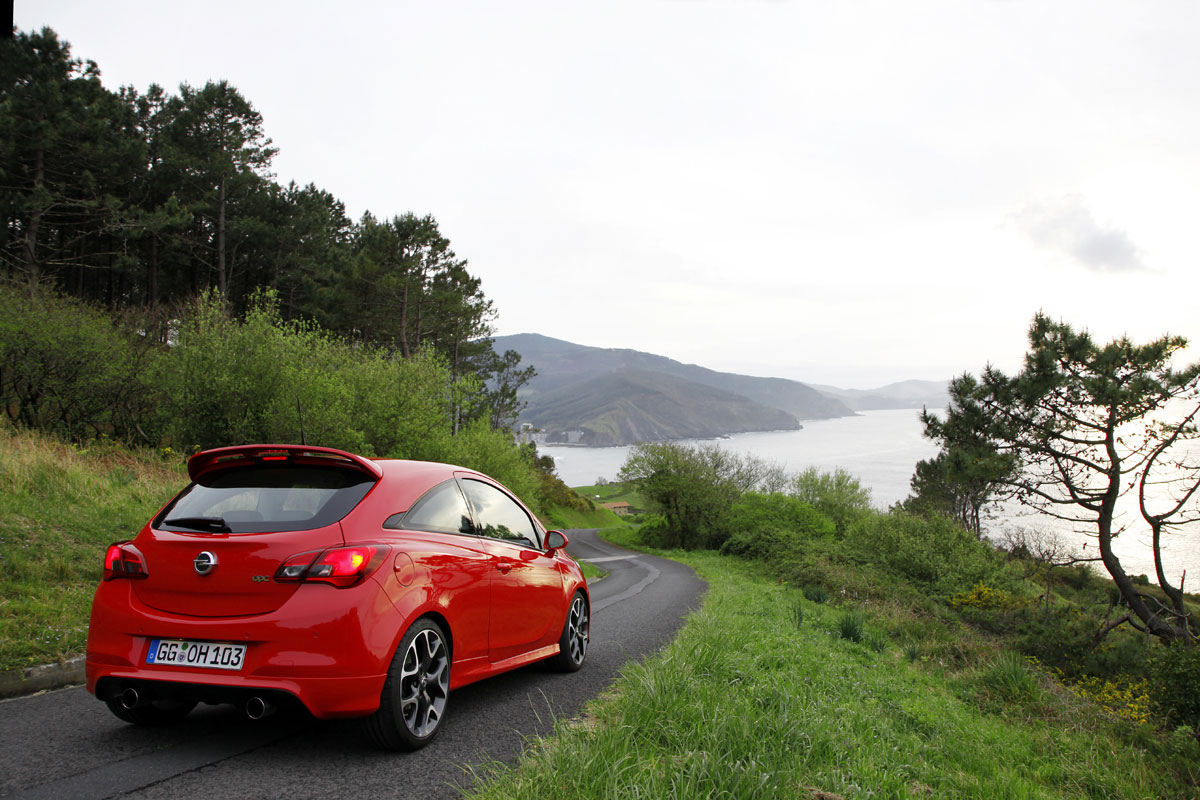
(211, 524)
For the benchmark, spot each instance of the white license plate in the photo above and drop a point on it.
(184, 653)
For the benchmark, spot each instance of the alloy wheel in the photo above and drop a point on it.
(424, 683)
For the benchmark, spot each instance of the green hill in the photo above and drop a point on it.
(631, 406)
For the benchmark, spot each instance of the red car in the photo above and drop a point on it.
(362, 588)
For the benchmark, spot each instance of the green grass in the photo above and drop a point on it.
(60, 507)
(563, 517)
(794, 710)
(613, 493)
(591, 572)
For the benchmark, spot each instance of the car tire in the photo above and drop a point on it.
(573, 644)
(412, 705)
(153, 714)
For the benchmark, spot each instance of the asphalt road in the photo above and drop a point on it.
(66, 744)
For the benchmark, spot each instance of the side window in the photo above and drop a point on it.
(499, 516)
(441, 510)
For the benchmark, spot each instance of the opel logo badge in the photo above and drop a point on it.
(205, 563)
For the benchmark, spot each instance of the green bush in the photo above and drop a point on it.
(693, 488)
(933, 552)
(656, 532)
(756, 510)
(68, 369)
(1176, 684)
(762, 543)
(838, 495)
(263, 379)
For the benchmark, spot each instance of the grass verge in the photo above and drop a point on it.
(591, 572)
(564, 517)
(762, 695)
(60, 507)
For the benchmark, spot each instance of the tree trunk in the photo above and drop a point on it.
(32, 268)
(1175, 595)
(404, 349)
(1152, 621)
(221, 279)
(152, 288)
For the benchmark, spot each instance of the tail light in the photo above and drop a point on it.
(338, 566)
(124, 561)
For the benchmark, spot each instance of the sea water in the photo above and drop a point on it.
(880, 448)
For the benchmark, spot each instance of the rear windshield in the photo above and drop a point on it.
(266, 499)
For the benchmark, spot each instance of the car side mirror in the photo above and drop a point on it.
(555, 540)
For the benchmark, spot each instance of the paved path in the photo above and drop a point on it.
(66, 744)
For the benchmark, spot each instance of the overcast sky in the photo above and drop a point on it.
(847, 193)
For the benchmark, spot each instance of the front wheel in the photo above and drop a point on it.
(413, 703)
(573, 644)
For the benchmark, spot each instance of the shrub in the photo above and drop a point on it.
(933, 552)
(692, 488)
(1125, 698)
(838, 495)
(761, 543)
(756, 510)
(983, 597)
(655, 532)
(1177, 683)
(262, 379)
(67, 369)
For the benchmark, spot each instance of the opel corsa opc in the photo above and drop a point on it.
(359, 587)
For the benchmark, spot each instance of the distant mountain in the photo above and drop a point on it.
(616, 396)
(626, 396)
(560, 363)
(628, 406)
(905, 394)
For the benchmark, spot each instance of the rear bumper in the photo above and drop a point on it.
(329, 648)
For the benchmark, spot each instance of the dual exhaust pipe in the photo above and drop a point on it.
(255, 708)
(130, 699)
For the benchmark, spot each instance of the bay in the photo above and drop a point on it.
(880, 448)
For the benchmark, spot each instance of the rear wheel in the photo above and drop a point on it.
(153, 713)
(573, 644)
(413, 702)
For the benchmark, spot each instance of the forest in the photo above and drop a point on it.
(159, 288)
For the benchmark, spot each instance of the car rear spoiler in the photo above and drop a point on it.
(223, 458)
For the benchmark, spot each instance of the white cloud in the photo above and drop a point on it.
(1067, 226)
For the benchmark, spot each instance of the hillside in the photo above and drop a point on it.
(640, 406)
(904, 394)
(666, 395)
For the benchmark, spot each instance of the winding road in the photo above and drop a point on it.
(65, 744)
